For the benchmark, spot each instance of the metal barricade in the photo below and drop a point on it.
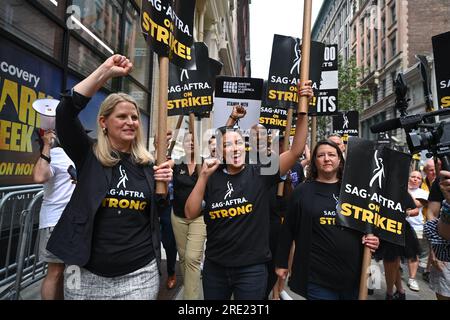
(19, 222)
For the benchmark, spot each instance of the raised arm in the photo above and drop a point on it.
(289, 157)
(237, 113)
(41, 170)
(70, 132)
(114, 66)
(193, 206)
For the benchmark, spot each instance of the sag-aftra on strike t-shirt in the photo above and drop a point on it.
(237, 216)
(336, 252)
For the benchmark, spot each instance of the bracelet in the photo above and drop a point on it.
(43, 156)
(235, 119)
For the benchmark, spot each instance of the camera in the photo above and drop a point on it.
(421, 132)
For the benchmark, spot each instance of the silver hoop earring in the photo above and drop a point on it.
(104, 130)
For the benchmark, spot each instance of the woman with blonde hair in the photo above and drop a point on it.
(108, 235)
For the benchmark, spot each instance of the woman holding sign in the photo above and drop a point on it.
(327, 258)
(108, 234)
(234, 198)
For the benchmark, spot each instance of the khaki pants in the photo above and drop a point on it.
(190, 236)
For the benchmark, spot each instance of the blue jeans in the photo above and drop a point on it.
(244, 283)
(316, 292)
(168, 240)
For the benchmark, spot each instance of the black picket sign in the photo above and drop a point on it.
(346, 123)
(192, 90)
(374, 191)
(441, 51)
(167, 26)
(326, 99)
(284, 70)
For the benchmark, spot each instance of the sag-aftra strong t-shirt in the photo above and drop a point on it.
(237, 216)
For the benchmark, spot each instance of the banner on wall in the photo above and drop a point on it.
(167, 26)
(24, 78)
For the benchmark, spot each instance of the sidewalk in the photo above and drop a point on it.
(425, 293)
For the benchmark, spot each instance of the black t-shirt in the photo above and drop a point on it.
(336, 252)
(122, 241)
(183, 183)
(279, 205)
(435, 192)
(237, 217)
(297, 174)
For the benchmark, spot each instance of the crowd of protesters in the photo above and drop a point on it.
(238, 233)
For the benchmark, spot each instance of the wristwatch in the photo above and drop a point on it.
(43, 156)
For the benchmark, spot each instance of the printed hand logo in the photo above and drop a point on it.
(229, 191)
(378, 171)
(298, 57)
(123, 177)
(184, 73)
(345, 121)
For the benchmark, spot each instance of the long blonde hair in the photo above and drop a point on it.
(103, 149)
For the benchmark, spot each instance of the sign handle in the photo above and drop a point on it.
(287, 134)
(192, 131)
(313, 132)
(161, 187)
(367, 256)
(174, 138)
(306, 48)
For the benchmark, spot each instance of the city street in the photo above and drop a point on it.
(425, 293)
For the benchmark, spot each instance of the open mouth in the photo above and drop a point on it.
(236, 157)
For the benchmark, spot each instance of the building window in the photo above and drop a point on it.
(383, 89)
(375, 95)
(25, 22)
(136, 92)
(135, 46)
(383, 26)
(83, 60)
(365, 126)
(393, 77)
(58, 10)
(394, 45)
(375, 40)
(393, 13)
(102, 18)
(383, 55)
(346, 35)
